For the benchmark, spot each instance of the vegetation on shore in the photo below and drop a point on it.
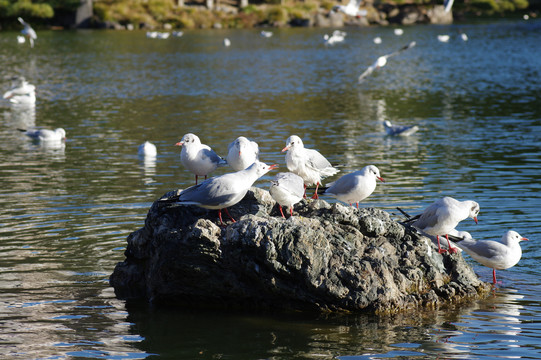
(155, 13)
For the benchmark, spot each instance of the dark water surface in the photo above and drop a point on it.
(66, 212)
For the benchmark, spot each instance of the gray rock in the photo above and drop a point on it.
(325, 258)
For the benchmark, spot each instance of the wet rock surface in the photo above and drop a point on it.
(327, 257)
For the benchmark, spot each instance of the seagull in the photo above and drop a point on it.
(443, 38)
(382, 60)
(356, 186)
(337, 36)
(46, 135)
(401, 130)
(287, 189)
(464, 36)
(398, 32)
(227, 42)
(223, 191)
(242, 153)
(443, 216)
(21, 92)
(307, 163)
(351, 9)
(28, 31)
(147, 149)
(377, 40)
(266, 34)
(198, 158)
(177, 33)
(498, 255)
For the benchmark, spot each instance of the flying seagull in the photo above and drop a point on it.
(351, 9)
(382, 61)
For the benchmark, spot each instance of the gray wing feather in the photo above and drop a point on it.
(429, 218)
(487, 248)
(342, 185)
(316, 160)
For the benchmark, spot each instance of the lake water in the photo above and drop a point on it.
(66, 212)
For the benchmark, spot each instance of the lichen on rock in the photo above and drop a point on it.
(328, 257)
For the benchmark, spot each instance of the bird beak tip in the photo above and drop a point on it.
(381, 179)
(475, 219)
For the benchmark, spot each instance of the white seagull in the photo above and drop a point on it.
(444, 38)
(307, 163)
(28, 31)
(266, 34)
(498, 255)
(227, 42)
(382, 61)
(337, 36)
(198, 158)
(242, 153)
(356, 186)
(443, 216)
(223, 191)
(351, 9)
(21, 92)
(398, 32)
(287, 189)
(147, 149)
(402, 130)
(46, 135)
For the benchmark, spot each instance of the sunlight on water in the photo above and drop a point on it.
(67, 210)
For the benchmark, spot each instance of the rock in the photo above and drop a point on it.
(437, 15)
(327, 257)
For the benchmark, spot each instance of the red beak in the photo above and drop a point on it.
(381, 179)
(179, 143)
(286, 148)
(524, 239)
(475, 219)
(273, 166)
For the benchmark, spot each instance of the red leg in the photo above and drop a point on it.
(494, 276)
(220, 216)
(357, 205)
(452, 250)
(291, 210)
(281, 211)
(440, 250)
(315, 196)
(304, 196)
(231, 217)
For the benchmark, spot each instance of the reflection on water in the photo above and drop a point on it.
(67, 211)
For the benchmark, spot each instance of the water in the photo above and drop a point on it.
(66, 212)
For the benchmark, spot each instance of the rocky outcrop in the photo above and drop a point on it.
(326, 258)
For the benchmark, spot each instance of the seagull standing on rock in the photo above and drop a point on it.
(443, 216)
(198, 158)
(242, 153)
(223, 191)
(356, 186)
(498, 255)
(287, 189)
(309, 164)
